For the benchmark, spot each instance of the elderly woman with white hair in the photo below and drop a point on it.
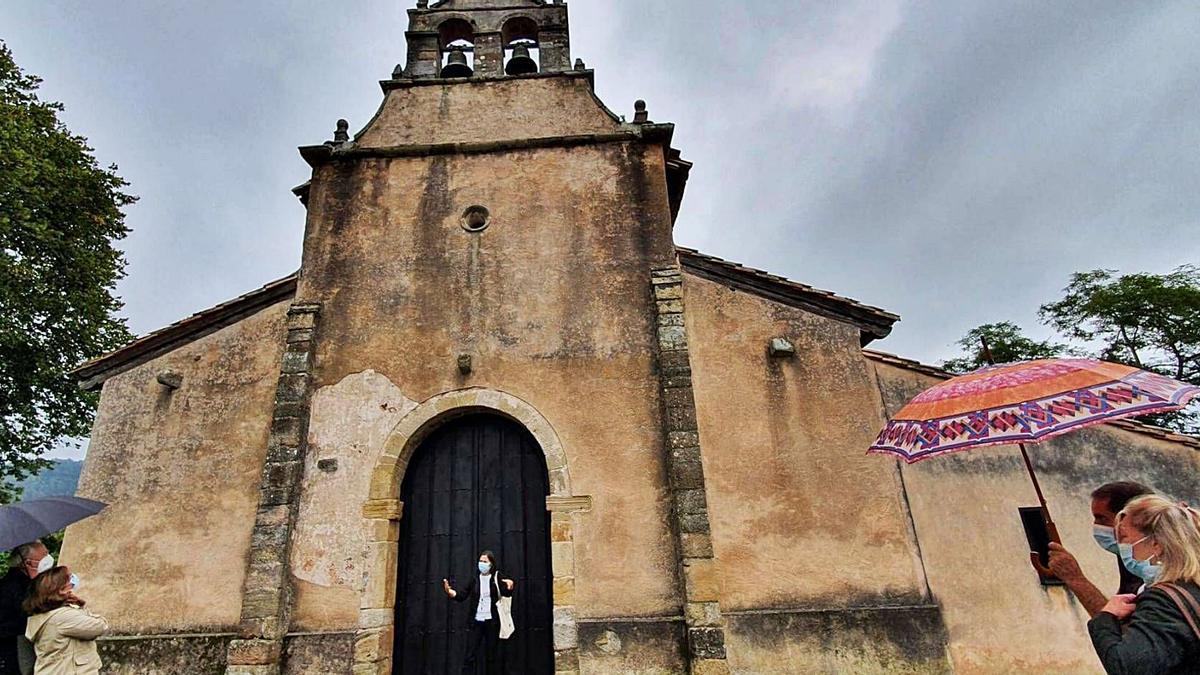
(1157, 631)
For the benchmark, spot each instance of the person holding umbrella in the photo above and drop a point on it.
(21, 526)
(31, 558)
(1107, 501)
(1159, 630)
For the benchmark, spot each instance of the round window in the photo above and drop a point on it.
(475, 219)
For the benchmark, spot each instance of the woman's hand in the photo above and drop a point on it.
(1121, 606)
(449, 591)
(508, 583)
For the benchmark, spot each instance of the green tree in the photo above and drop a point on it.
(1007, 344)
(60, 214)
(1151, 321)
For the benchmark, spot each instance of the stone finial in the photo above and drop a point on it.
(342, 135)
(640, 116)
(398, 71)
(422, 4)
(579, 65)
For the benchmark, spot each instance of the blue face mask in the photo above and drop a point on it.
(1143, 568)
(484, 568)
(1106, 538)
(74, 582)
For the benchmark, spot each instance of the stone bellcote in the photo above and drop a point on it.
(487, 38)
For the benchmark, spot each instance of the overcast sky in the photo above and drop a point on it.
(952, 162)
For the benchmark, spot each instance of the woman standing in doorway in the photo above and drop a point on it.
(483, 592)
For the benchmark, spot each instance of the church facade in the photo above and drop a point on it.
(494, 342)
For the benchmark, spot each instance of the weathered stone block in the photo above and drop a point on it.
(672, 337)
(566, 661)
(254, 652)
(562, 558)
(564, 591)
(566, 631)
(669, 307)
(706, 643)
(297, 336)
(287, 431)
(670, 319)
(295, 362)
(686, 474)
(700, 580)
(681, 418)
(696, 545)
(560, 530)
(710, 667)
(376, 617)
(380, 590)
(691, 501)
(683, 439)
(674, 363)
(371, 645)
(668, 291)
(703, 614)
(694, 523)
(384, 530)
(291, 388)
(269, 536)
(278, 453)
(261, 603)
(679, 396)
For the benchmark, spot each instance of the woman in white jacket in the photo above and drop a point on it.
(63, 633)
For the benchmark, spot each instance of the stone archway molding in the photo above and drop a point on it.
(383, 510)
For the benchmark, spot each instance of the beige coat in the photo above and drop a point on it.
(65, 641)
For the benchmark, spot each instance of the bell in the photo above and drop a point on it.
(456, 65)
(521, 62)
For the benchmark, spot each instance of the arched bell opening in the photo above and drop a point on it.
(522, 48)
(456, 40)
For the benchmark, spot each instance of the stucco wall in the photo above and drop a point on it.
(493, 110)
(999, 617)
(552, 302)
(180, 472)
(807, 529)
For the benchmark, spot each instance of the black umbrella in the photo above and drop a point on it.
(23, 522)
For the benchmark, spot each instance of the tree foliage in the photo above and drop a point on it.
(60, 214)
(1006, 343)
(1149, 321)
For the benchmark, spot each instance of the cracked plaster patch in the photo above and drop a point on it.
(350, 421)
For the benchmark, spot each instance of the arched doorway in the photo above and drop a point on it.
(478, 482)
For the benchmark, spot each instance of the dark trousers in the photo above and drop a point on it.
(482, 640)
(8, 657)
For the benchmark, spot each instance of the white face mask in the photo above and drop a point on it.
(45, 563)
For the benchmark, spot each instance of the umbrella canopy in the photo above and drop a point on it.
(23, 522)
(1025, 402)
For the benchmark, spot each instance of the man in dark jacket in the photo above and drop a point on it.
(14, 586)
(1107, 502)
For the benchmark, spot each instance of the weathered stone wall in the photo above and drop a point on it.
(999, 617)
(491, 110)
(553, 305)
(807, 529)
(180, 471)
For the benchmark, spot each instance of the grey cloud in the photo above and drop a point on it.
(965, 159)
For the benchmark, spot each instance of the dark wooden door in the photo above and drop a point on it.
(477, 483)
